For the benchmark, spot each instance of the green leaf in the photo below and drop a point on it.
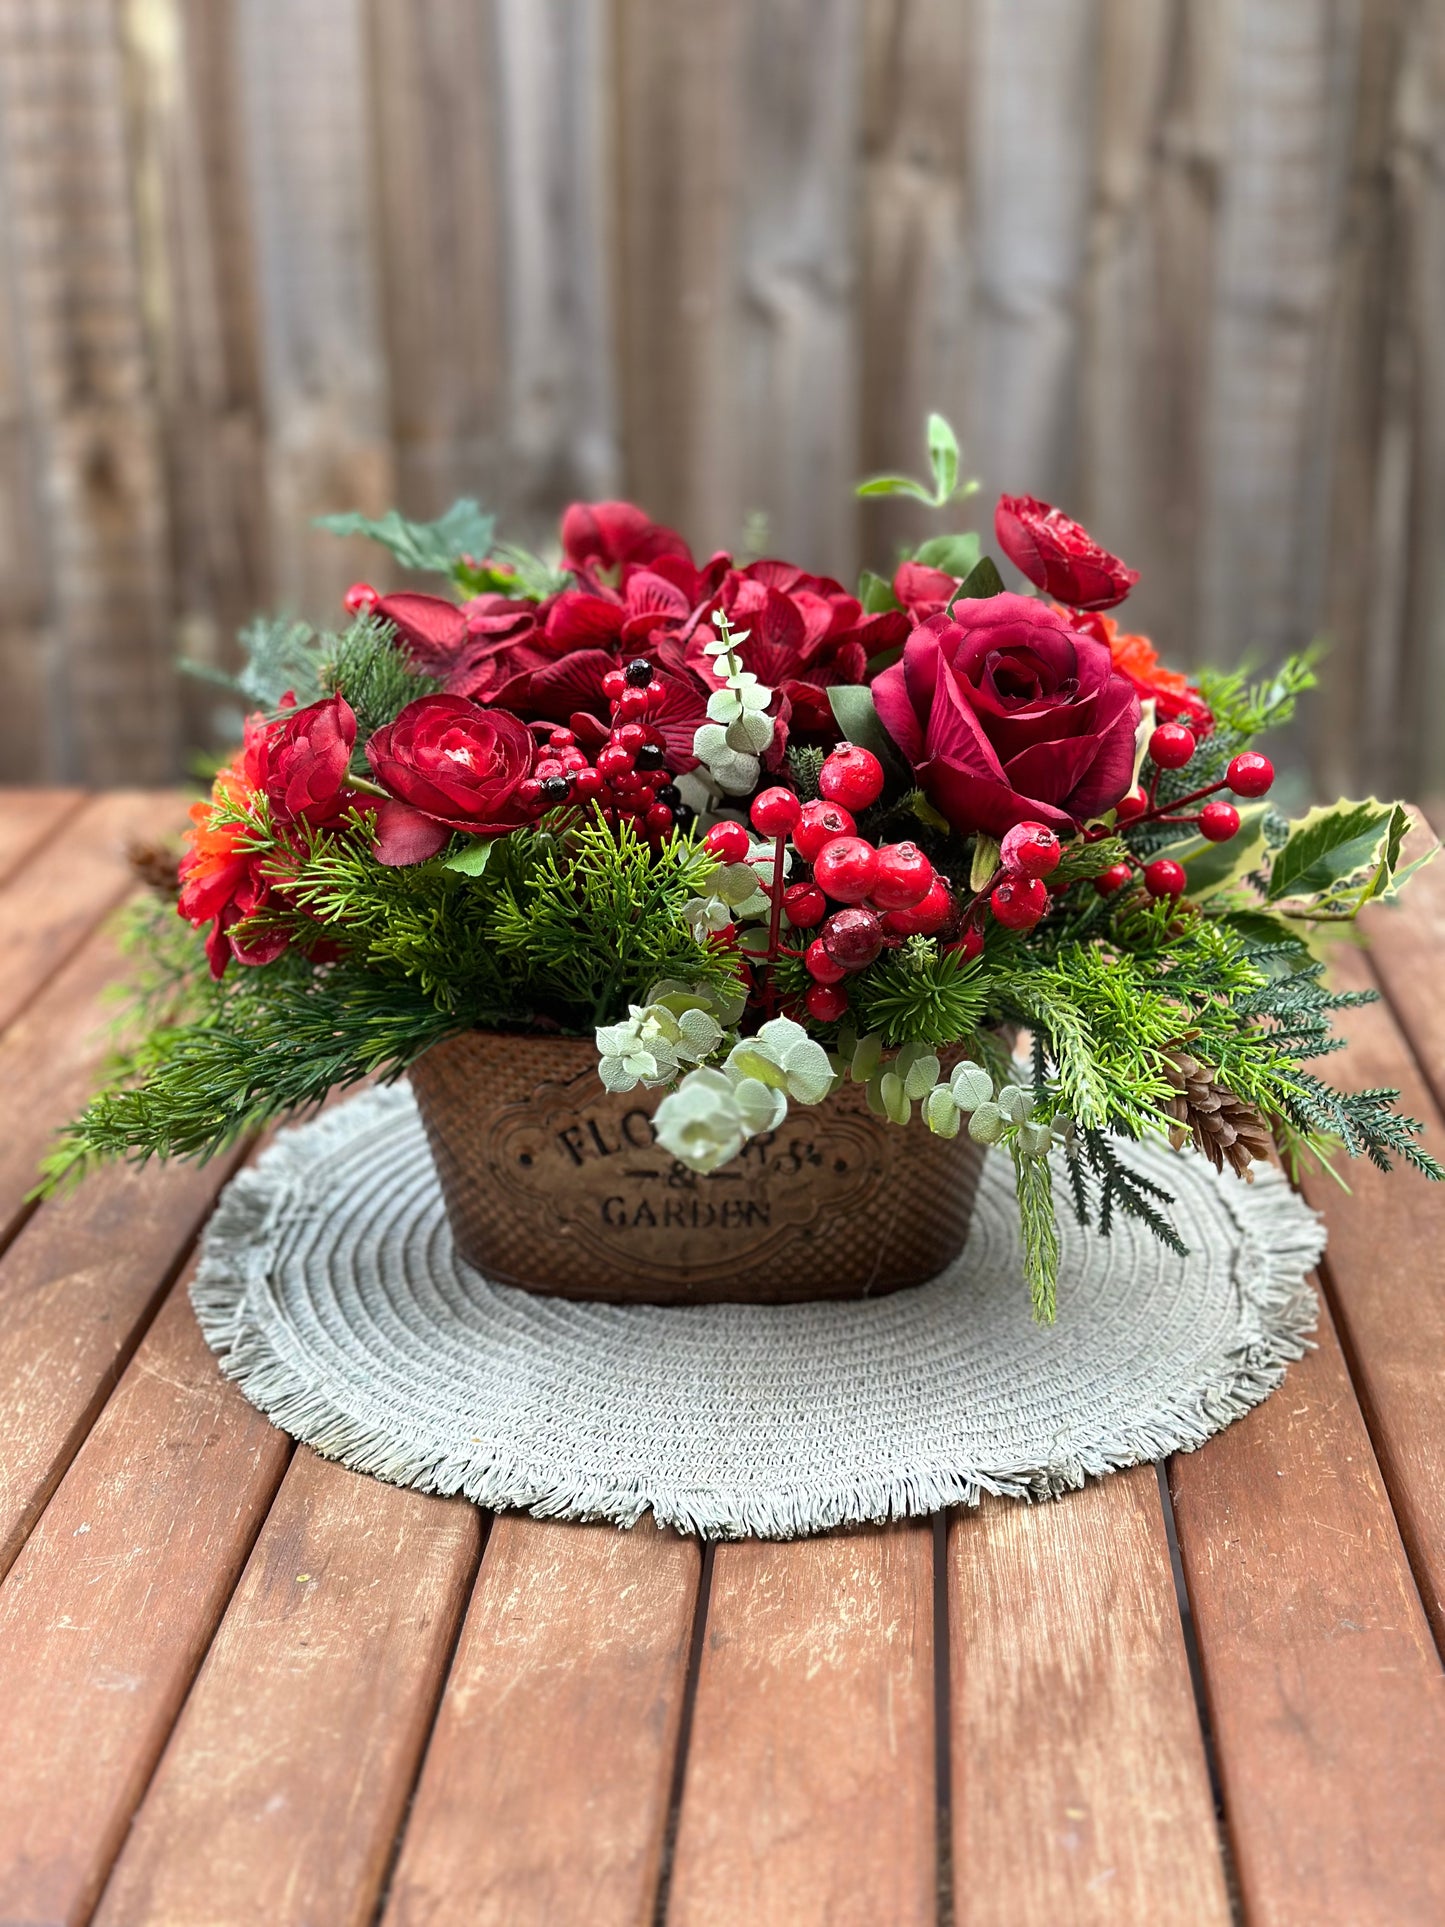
(1338, 857)
(985, 861)
(943, 456)
(436, 547)
(473, 860)
(1211, 867)
(925, 812)
(983, 579)
(875, 592)
(895, 485)
(955, 554)
(860, 723)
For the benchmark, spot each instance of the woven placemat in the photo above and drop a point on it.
(329, 1288)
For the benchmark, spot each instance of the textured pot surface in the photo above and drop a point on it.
(552, 1183)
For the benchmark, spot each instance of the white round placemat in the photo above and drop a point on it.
(329, 1288)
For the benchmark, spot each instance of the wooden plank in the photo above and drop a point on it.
(106, 1613)
(304, 79)
(810, 1792)
(1264, 532)
(915, 294)
(1326, 1696)
(544, 1794)
(1030, 81)
(557, 183)
(27, 819)
(1386, 1235)
(1080, 1788)
(198, 258)
(284, 1783)
(52, 904)
(49, 1060)
(112, 698)
(1407, 942)
(739, 140)
(77, 1289)
(434, 124)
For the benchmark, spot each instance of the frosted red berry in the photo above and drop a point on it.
(922, 919)
(970, 944)
(728, 841)
(852, 938)
(1019, 902)
(360, 599)
(826, 1004)
(1130, 806)
(1164, 877)
(1112, 879)
(805, 905)
(1219, 822)
(1250, 774)
(846, 869)
(1031, 850)
(1171, 745)
(905, 877)
(820, 966)
(852, 776)
(775, 811)
(818, 824)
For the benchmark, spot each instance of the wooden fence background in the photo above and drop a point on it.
(1178, 265)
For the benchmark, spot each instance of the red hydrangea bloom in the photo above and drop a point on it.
(449, 765)
(1009, 715)
(1059, 555)
(806, 635)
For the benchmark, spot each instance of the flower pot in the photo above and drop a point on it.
(552, 1183)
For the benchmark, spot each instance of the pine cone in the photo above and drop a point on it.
(1223, 1126)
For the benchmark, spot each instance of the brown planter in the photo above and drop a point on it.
(553, 1184)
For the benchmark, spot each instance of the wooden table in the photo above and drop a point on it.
(239, 1684)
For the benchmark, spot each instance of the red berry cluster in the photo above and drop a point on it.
(1172, 746)
(882, 893)
(628, 779)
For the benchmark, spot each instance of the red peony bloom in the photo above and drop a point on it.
(806, 635)
(1058, 555)
(609, 534)
(1008, 715)
(1176, 700)
(307, 757)
(451, 766)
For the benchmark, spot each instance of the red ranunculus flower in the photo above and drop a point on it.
(805, 635)
(306, 758)
(924, 592)
(1008, 715)
(608, 534)
(1058, 555)
(450, 765)
(1175, 698)
(221, 880)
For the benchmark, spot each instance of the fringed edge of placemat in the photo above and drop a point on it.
(1281, 1240)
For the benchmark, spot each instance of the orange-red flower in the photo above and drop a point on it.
(1175, 698)
(221, 880)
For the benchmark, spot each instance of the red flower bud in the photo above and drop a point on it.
(1058, 555)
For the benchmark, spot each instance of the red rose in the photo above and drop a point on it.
(1009, 716)
(1058, 555)
(306, 761)
(805, 635)
(608, 534)
(451, 766)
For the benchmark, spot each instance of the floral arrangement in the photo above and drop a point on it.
(761, 834)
